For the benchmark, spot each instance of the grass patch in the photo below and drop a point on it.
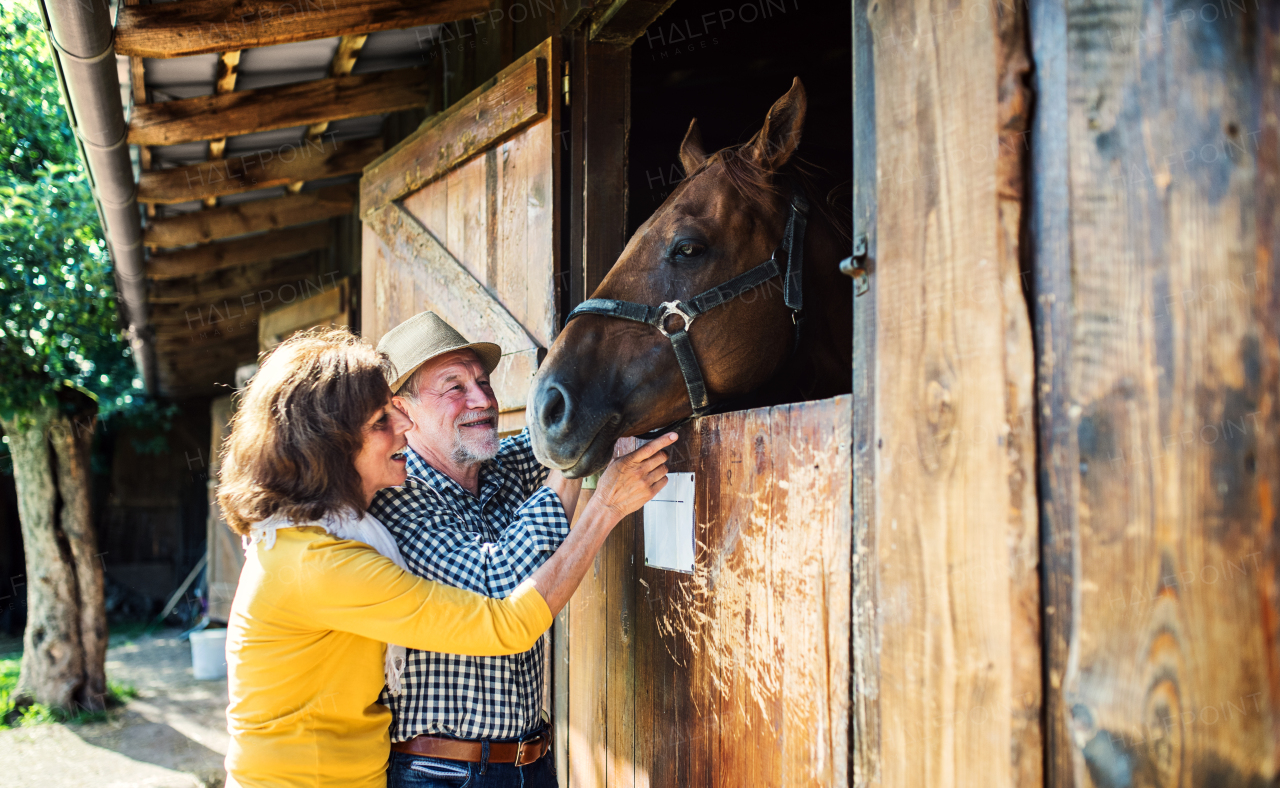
(38, 713)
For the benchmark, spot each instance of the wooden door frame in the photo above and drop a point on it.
(864, 710)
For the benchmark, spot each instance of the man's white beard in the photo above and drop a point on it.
(472, 449)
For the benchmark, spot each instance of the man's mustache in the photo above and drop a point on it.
(471, 418)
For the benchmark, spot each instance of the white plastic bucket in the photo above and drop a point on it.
(209, 654)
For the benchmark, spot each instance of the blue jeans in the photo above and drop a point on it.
(416, 771)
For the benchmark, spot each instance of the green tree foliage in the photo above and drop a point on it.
(59, 323)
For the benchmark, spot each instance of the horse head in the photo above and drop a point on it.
(606, 377)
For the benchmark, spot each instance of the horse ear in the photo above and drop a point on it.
(780, 135)
(691, 153)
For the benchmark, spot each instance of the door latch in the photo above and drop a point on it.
(855, 266)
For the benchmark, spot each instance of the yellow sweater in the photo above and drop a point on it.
(305, 654)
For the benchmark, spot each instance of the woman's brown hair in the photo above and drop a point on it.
(298, 427)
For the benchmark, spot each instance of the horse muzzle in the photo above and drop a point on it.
(573, 438)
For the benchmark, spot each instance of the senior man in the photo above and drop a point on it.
(478, 514)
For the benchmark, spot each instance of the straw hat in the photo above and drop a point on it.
(423, 337)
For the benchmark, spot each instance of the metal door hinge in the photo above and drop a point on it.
(564, 84)
(855, 266)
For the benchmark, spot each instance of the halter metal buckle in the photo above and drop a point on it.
(669, 308)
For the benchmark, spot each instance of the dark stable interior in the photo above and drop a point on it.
(725, 64)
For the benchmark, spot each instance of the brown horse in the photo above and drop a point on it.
(610, 375)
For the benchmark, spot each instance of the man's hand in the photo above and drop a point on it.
(567, 489)
(627, 484)
(632, 480)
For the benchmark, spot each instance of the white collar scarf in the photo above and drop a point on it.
(344, 525)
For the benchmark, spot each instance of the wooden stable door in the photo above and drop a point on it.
(736, 673)
(1066, 548)
(460, 219)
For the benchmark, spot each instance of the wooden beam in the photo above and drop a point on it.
(246, 282)
(173, 344)
(203, 26)
(504, 105)
(955, 522)
(274, 245)
(138, 87)
(1157, 292)
(203, 315)
(621, 22)
(449, 280)
(250, 217)
(248, 111)
(261, 170)
(344, 59)
(223, 84)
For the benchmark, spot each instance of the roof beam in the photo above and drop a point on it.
(203, 26)
(344, 59)
(256, 249)
(244, 284)
(304, 104)
(199, 316)
(214, 224)
(309, 161)
(224, 83)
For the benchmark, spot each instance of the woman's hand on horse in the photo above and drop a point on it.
(633, 479)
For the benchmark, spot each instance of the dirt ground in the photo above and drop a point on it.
(173, 735)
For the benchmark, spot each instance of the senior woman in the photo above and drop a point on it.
(324, 595)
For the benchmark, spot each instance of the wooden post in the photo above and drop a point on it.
(1155, 238)
(946, 592)
(600, 707)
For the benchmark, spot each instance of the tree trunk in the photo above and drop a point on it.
(64, 646)
(72, 440)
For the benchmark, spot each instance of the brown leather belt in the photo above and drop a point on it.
(519, 753)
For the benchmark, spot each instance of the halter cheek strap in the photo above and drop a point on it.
(792, 246)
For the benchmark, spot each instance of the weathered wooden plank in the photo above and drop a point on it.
(1266, 306)
(588, 685)
(620, 22)
(511, 254)
(1049, 224)
(207, 258)
(600, 117)
(951, 501)
(746, 637)
(330, 307)
(541, 150)
(203, 26)
(466, 234)
(1155, 276)
(865, 719)
(261, 170)
(224, 82)
(374, 281)
(501, 107)
(264, 109)
(420, 274)
(250, 217)
(232, 282)
(409, 243)
(1013, 66)
(742, 667)
(618, 562)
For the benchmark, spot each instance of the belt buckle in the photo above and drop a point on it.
(519, 752)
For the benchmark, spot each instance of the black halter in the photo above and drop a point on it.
(792, 294)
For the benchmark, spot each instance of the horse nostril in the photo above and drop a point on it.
(554, 408)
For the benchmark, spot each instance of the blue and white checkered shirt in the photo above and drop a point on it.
(488, 544)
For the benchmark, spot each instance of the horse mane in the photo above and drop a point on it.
(754, 183)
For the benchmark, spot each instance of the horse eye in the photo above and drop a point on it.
(689, 249)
